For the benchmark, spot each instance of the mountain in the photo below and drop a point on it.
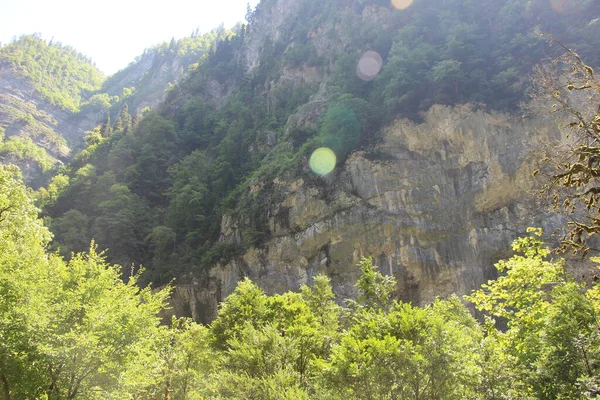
(418, 106)
(51, 95)
(42, 86)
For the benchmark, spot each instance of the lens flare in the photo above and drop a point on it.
(401, 4)
(369, 65)
(322, 161)
(557, 5)
(565, 6)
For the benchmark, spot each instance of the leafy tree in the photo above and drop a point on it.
(73, 228)
(123, 122)
(447, 75)
(188, 363)
(49, 195)
(106, 129)
(120, 224)
(551, 345)
(321, 301)
(403, 352)
(375, 289)
(71, 330)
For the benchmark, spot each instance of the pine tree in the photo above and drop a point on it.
(106, 130)
(123, 123)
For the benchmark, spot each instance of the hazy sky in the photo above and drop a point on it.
(114, 32)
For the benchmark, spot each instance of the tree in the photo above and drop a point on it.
(393, 350)
(73, 230)
(375, 289)
(269, 342)
(22, 242)
(249, 14)
(123, 123)
(106, 129)
(188, 363)
(574, 176)
(551, 348)
(68, 330)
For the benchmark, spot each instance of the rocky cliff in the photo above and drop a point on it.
(435, 204)
(214, 185)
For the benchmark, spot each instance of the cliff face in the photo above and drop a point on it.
(220, 168)
(148, 77)
(435, 204)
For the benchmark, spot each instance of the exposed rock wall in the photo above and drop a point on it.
(435, 204)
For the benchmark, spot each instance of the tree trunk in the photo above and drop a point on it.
(5, 388)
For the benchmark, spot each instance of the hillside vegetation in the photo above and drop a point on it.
(156, 192)
(42, 87)
(52, 94)
(59, 74)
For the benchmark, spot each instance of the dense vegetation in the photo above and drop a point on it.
(43, 84)
(154, 187)
(154, 192)
(75, 330)
(59, 74)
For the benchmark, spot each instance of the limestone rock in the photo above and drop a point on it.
(435, 204)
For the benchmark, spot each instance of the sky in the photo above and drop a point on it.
(114, 32)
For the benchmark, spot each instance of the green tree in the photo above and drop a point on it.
(375, 289)
(123, 122)
(69, 330)
(551, 345)
(73, 230)
(107, 128)
(393, 350)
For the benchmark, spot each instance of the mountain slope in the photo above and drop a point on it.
(208, 187)
(42, 86)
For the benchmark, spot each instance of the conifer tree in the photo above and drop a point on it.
(106, 130)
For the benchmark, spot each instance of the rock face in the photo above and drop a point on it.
(435, 204)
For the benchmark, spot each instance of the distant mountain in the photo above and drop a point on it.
(42, 86)
(50, 95)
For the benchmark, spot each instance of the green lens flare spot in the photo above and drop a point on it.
(322, 161)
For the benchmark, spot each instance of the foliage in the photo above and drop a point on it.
(340, 130)
(23, 149)
(59, 73)
(551, 346)
(572, 87)
(68, 329)
(77, 330)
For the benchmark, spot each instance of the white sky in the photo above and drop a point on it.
(114, 32)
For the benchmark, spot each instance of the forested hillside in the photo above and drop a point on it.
(252, 180)
(52, 94)
(256, 106)
(43, 85)
(58, 73)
